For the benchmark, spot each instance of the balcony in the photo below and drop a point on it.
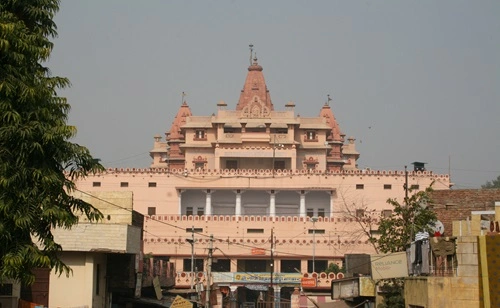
(439, 258)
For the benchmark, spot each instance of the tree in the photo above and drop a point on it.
(38, 163)
(335, 268)
(357, 210)
(492, 184)
(397, 232)
(414, 215)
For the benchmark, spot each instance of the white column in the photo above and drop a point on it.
(208, 203)
(272, 204)
(238, 203)
(180, 202)
(302, 209)
(332, 204)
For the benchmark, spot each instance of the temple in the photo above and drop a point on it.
(255, 136)
(274, 197)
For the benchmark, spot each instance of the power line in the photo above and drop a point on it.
(124, 158)
(197, 233)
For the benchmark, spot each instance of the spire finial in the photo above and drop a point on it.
(328, 99)
(183, 95)
(251, 53)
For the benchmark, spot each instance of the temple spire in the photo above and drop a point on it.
(254, 97)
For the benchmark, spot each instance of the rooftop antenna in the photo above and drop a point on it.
(251, 52)
(329, 99)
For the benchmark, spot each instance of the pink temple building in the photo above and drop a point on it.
(281, 195)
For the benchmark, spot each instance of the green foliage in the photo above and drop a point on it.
(396, 234)
(393, 296)
(492, 184)
(334, 268)
(38, 165)
(407, 219)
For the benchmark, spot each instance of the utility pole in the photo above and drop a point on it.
(274, 152)
(314, 219)
(191, 241)
(209, 272)
(271, 289)
(406, 186)
(168, 158)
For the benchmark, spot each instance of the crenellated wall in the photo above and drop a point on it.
(160, 188)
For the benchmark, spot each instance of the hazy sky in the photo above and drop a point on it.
(410, 80)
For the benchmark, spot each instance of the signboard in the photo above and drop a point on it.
(353, 287)
(357, 263)
(258, 251)
(157, 287)
(264, 278)
(392, 265)
(180, 302)
(257, 287)
(138, 285)
(308, 282)
(348, 288)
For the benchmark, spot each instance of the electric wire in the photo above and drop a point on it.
(199, 234)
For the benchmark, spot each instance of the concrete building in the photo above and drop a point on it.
(10, 293)
(474, 281)
(280, 193)
(103, 256)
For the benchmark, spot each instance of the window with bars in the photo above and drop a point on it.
(196, 230)
(316, 231)
(321, 212)
(232, 164)
(310, 212)
(360, 213)
(200, 135)
(199, 165)
(198, 265)
(386, 213)
(311, 135)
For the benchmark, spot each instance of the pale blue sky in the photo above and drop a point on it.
(424, 75)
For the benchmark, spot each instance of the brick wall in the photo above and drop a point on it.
(451, 205)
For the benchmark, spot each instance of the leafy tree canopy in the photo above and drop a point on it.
(398, 231)
(334, 268)
(38, 164)
(414, 215)
(492, 184)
